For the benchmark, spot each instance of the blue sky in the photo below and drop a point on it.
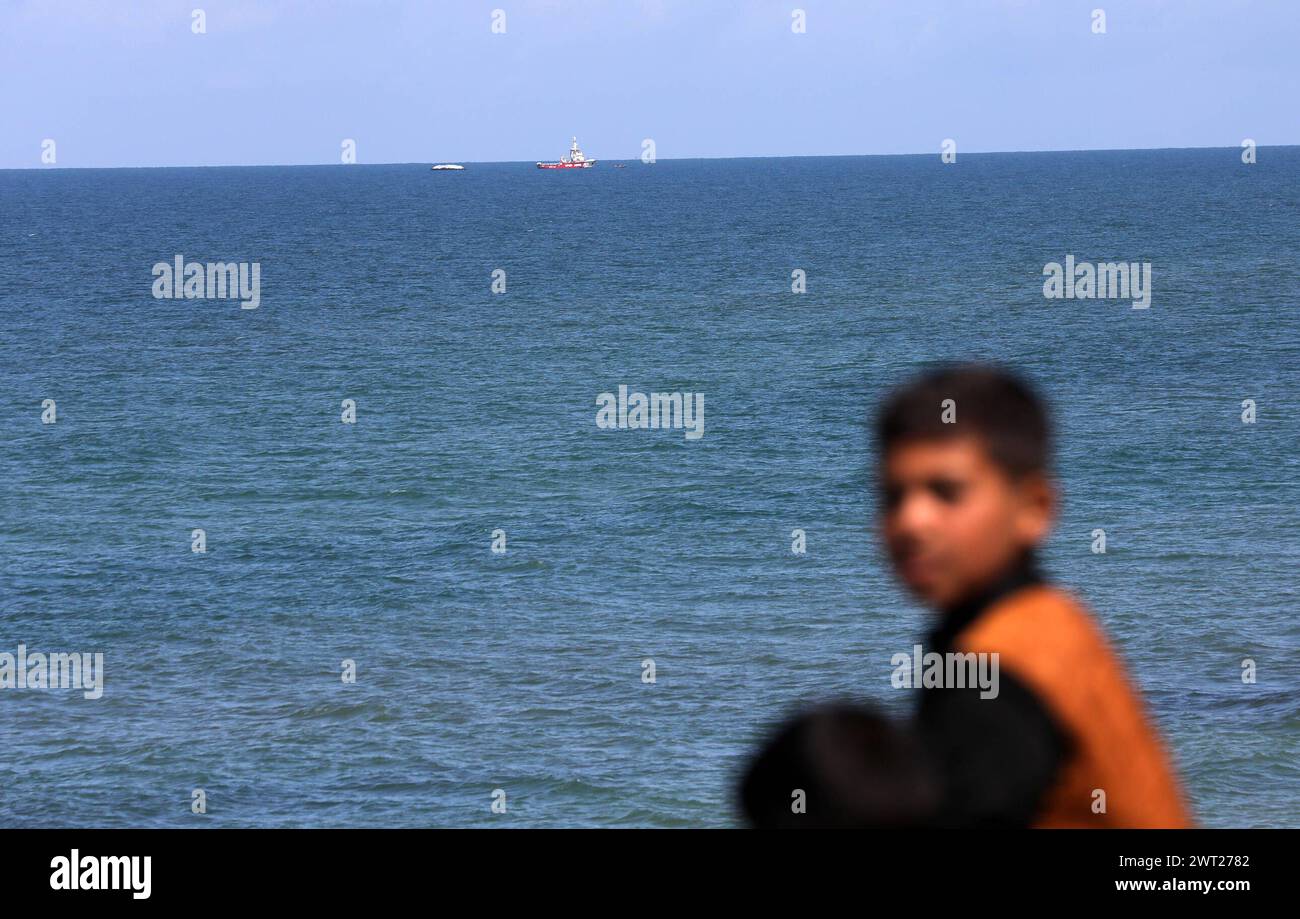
(127, 83)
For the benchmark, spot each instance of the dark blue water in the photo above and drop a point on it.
(476, 411)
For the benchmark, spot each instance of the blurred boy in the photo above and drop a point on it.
(1062, 740)
(967, 498)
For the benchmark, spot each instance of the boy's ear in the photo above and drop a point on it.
(1037, 510)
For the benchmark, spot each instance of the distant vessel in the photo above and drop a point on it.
(446, 166)
(575, 160)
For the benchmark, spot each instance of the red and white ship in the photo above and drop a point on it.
(575, 160)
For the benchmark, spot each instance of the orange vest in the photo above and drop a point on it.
(1052, 645)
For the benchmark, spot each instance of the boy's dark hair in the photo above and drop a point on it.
(990, 403)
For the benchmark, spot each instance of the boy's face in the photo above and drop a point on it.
(954, 520)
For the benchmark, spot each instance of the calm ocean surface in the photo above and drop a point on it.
(476, 411)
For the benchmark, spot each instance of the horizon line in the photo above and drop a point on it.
(748, 156)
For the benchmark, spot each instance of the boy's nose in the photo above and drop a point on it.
(917, 513)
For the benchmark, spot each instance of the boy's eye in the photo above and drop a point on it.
(947, 490)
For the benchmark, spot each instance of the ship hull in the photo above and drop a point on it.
(585, 164)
